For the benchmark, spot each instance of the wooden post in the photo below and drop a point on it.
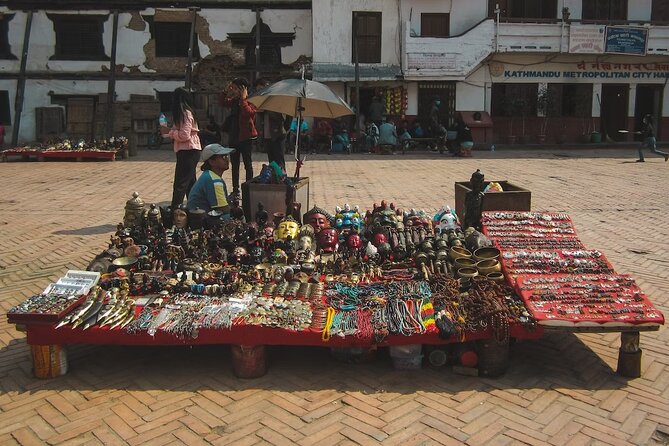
(629, 355)
(111, 86)
(21, 84)
(189, 68)
(493, 357)
(49, 361)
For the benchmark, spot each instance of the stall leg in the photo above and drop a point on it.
(49, 361)
(629, 355)
(493, 357)
(248, 361)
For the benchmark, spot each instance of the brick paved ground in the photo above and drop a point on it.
(559, 390)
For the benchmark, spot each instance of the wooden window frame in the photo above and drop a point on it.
(160, 32)
(5, 47)
(64, 24)
(5, 109)
(590, 10)
(373, 39)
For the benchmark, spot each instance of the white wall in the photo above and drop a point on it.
(333, 29)
(464, 14)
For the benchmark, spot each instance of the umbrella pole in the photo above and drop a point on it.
(297, 139)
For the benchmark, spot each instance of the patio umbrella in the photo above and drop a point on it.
(290, 96)
(301, 97)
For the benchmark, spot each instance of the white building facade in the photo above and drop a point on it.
(548, 70)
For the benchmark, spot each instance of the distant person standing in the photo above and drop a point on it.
(435, 120)
(243, 134)
(648, 134)
(185, 134)
(376, 110)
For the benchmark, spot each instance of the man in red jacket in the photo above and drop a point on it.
(243, 129)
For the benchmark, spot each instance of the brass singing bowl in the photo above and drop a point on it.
(464, 262)
(495, 277)
(486, 267)
(486, 253)
(124, 262)
(467, 273)
(458, 251)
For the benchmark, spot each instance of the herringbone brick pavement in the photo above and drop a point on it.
(559, 390)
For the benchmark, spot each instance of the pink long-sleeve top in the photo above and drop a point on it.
(186, 136)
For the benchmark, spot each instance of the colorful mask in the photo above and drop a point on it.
(287, 227)
(328, 239)
(180, 218)
(318, 218)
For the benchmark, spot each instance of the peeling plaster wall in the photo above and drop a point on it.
(134, 53)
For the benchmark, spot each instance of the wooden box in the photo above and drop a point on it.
(513, 198)
(273, 197)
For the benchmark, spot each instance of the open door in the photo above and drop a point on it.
(648, 102)
(614, 111)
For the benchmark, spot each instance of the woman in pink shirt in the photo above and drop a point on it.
(184, 133)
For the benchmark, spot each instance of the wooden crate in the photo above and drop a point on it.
(513, 198)
(273, 197)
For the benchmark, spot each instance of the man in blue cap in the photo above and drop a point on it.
(209, 191)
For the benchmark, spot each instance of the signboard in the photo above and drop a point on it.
(431, 61)
(648, 72)
(626, 40)
(586, 39)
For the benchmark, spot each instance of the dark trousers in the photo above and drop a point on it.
(243, 151)
(184, 175)
(275, 150)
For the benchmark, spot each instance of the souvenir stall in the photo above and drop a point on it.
(415, 283)
(80, 150)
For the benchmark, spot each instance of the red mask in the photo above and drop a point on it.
(318, 222)
(328, 239)
(379, 238)
(354, 241)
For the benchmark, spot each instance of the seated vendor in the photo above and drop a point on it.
(209, 191)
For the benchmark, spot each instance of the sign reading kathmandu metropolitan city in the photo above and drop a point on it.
(596, 70)
(599, 39)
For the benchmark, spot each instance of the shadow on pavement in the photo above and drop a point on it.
(91, 230)
(558, 361)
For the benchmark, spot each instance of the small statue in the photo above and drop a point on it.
(134, 208)
(474, 201)
(262, 216)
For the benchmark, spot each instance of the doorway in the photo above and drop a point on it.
(614, 111)
(648, 102)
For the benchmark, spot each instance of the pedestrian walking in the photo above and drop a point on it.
(185, 134)
(648, 134)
